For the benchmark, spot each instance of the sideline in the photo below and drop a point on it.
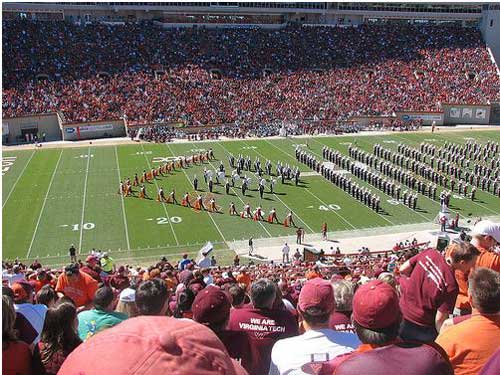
(128, 141)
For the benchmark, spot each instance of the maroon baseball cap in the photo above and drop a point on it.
(211, 305)
(318, 293)
(375, 305)
(91, 259)
(152, 345)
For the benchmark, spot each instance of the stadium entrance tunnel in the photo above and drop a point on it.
(42, 78)
(215, 74)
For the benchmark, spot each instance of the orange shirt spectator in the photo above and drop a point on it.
(472, 342)
(244, 278)
(77, 285)
(485, 235)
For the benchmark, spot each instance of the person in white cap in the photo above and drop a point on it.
(485, 237)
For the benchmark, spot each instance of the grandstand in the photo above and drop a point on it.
(214, 161)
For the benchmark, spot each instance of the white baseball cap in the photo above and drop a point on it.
(127, 295)
(487, 228)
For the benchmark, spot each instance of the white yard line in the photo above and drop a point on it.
(277, 197)
(84, 202)
(162, 203)
(123, 203)
(17, 180)
(43, 205)
(191, 183)
(336, 213)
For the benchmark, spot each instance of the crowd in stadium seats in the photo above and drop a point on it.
(413, 311)
(312, 72)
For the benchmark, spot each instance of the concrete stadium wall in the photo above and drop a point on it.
(93, 130)
(427, 117)
(39, 124)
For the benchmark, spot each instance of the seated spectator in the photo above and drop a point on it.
(29, 316)
(207, 277)
(126, 303)
(473, 341)
(428, 293)
(120, 280)
(151, 298)
(237, 296)
(102, 316)
(47, 296)
(263, 325)
(59, 336)
(77, 285)
(92, 268)
(153, 345)
(43, 278)
(243, 277)
(183, 303)
(13, 275)
(340, 319)
(17, 358)
(376, 316)
(184, 262)
(316, 303)
(211, 307)
(6, 291)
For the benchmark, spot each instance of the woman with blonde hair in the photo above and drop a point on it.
(126, 303)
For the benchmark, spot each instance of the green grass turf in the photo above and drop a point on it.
(56, 197)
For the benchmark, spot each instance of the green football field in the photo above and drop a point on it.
(56, 197)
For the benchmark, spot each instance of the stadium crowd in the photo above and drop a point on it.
(149, 74)
(412, 311)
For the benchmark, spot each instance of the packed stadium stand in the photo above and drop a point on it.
(146, 73)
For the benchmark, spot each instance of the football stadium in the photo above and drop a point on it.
(250, 188)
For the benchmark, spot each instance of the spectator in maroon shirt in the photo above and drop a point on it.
(376, 316)
(119, 280)
(92, 268)
(263, 325)
(59, 336)
(429, 292)
(340, 319)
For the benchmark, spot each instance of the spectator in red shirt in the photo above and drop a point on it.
(92, 268)
(263, 325)
(429, 292)
(43, 278)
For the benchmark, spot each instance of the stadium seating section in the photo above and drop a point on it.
(200, 76)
